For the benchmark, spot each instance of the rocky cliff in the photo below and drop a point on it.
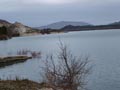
(4, 23)
(16, 29)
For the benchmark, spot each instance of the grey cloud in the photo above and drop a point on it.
(36, 14)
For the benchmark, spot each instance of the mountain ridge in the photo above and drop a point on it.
(61, 24)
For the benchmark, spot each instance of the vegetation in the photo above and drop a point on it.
(90, 27)
(3, 30)
(45, 31)
(49, 31)
(18, 57)
(19, 85)
(68, 73)
(64, 72)
(33, 54)
(3, 33)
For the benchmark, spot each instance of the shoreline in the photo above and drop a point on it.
(10, 60)
(24, 84)
(35, 34)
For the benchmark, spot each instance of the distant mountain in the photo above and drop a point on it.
(115, 25)
(59, 25)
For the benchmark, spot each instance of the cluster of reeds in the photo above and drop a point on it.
(26, 52)
(33, 54)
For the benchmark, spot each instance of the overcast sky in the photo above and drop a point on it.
(41, 12)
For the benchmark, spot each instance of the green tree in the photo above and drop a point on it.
(3, 30)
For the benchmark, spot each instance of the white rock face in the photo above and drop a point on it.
(20, 28)
(16, 29)
(4, 23)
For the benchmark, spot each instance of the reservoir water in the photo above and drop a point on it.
(103, 47)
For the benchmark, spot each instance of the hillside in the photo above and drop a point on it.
(4, 23)
(86, 28)
(8, 29)
(59, 25)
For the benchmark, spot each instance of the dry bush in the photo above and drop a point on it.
(66, 71)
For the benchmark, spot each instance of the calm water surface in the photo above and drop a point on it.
(103, 47)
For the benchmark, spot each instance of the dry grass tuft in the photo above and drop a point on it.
(19, 85)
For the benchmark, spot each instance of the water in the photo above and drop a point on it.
(103, 47)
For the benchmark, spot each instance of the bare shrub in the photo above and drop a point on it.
(33, 54)
(66, 72)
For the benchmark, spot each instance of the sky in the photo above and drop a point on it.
(37, 13)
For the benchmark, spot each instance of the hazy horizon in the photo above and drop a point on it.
(37, 13)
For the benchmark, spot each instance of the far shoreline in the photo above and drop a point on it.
(60, 32)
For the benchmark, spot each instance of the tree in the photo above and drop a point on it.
(66, 72)
(3, 30)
